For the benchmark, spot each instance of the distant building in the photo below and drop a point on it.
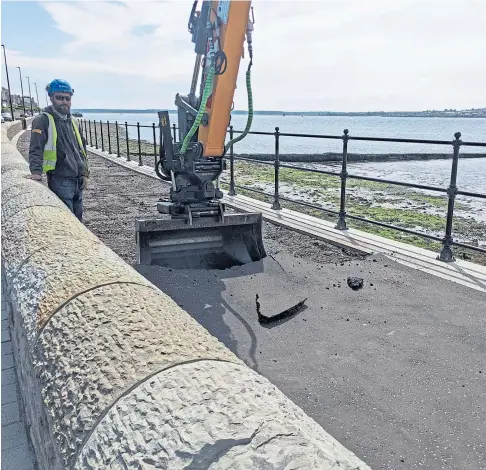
(4, 95)
(16, 100)
(27, 102)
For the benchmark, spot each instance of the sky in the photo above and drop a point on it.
(320, 55)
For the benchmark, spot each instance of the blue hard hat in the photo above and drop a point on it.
(59, 85)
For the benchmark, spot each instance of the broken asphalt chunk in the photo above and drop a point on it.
(355, 283)
(284, 315)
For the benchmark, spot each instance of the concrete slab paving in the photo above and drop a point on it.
(9, 393)
(7, 361)
(15, 449)
(13, 435)
(18, 458)
(10, 413)
(7, 348)
(395, 371)
(5, 336)
(8, 376)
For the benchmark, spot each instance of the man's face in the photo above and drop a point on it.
(61, 102)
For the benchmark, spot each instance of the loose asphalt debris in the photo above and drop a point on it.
(355, 283)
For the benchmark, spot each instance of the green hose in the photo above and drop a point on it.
(250, 112)
(208, 88)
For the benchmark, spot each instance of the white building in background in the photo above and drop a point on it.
(16, 100)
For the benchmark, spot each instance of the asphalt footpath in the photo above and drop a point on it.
(395, 370)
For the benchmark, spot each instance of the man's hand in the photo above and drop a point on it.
(34, 177)
(85, 183)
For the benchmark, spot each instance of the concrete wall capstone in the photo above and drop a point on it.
(114, 374)
(12, 128)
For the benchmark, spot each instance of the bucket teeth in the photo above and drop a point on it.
(205, 243)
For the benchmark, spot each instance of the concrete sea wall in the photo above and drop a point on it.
(114, 374)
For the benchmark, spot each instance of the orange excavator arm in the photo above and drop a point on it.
(196, 160)
(232, 30)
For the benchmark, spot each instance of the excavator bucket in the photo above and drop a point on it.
(205, 243)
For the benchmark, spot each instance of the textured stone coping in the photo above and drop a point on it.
(114, 374)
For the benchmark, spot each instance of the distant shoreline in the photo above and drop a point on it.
(477, 113)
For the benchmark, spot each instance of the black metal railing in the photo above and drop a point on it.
(115, 137)
(145, 148)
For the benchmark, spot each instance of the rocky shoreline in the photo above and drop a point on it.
(329, 157)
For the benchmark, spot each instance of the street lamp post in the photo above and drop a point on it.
(22, 90)
(30, 97)
(37, 94)
(8, 84)
(47, 101)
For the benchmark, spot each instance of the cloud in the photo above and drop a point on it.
(124, 38)
(329, 54)
(403, 54)
(114, 25)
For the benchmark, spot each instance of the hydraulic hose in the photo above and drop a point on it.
(250, 111)
(208, 88)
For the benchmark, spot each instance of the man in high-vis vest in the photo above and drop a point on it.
(58, 149)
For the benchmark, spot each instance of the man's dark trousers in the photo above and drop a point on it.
(69, 191)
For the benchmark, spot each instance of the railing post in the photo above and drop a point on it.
(117, 140)
(140, 163)
(96, 133)
(276, 199)
(102, 139)
(90, 136)
(446, 253)
(232, 191)
(341, 225)
(155, 144)
(109, 137)
(128, 145)
(174, 132)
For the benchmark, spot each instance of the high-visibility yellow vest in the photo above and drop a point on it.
(50, 150)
